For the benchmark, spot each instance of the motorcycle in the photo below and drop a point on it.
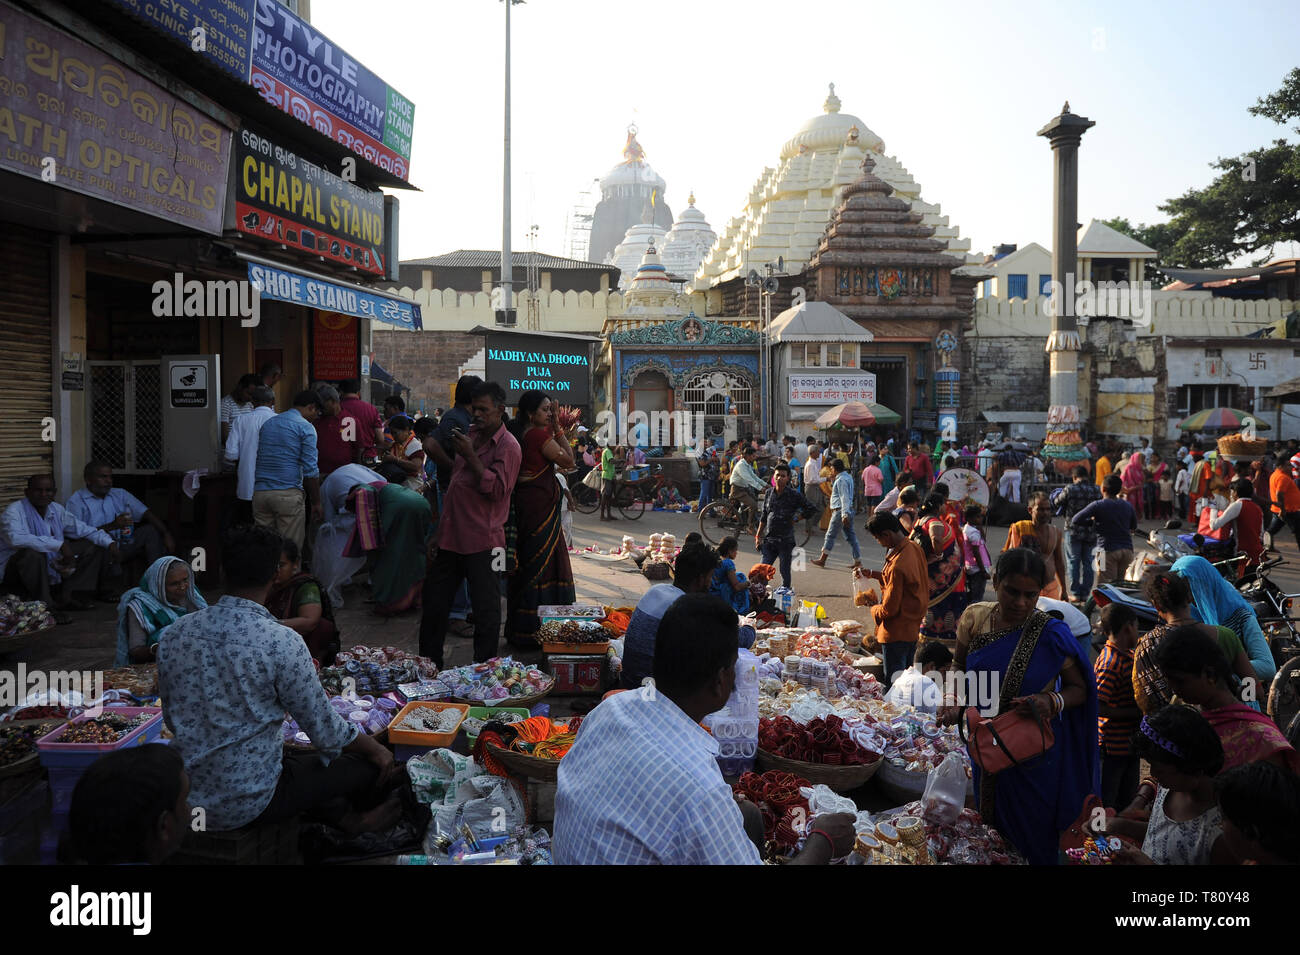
(1273, 606)
(1130, 594)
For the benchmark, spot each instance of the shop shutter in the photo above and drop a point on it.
(26, 318)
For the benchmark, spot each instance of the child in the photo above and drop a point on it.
(1182, 486)
(1166, 497)
(978, 566)
(727, 583)
(1118, 710)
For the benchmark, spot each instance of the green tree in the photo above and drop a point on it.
(1251, 207)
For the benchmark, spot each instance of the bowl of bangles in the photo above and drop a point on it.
(573, 636)
(784, 808)
(531, 747)
(821, 751)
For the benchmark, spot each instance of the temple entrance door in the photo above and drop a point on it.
(652, 394)
(892, 385)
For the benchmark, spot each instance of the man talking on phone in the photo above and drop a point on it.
(471, 535)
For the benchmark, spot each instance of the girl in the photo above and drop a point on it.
(299, 602)
(1186, 825)
(978, 565)
(728, 584)
(1166, 496)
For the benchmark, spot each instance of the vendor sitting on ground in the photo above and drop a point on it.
(43, 546)
(139, 532)
(692, 574)
(165, 593)
(299, 602)
(228, 674)
(642, 785)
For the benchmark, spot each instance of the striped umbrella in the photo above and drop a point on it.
(1221, 419)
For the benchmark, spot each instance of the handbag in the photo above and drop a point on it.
(1007, 740)
(592, 479)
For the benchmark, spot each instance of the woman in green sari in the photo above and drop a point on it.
(165, 594)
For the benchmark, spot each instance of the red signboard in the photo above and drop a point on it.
(335, 353)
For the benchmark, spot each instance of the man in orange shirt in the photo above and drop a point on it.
(1103, 467)
(905, 592)
(1285, 497)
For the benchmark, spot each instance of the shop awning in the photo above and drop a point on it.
(285, 284)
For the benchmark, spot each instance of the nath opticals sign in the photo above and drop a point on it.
(72, 116)
(560, 368)
(298, 69)
(283, 198)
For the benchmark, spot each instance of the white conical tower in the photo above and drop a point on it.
(688, 242)
(650, 293)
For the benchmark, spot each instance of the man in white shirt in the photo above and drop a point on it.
(984, 459)
(772, 449)
(1146, 450)
(812, 476)
(43, 546)
(641, 784)
(745, 482)
(241, 447)
(138, 531)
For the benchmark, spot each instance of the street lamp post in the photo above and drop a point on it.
(507, 277)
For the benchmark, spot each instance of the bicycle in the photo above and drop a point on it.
(724, 518)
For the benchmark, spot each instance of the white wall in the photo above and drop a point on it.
(1274, 363)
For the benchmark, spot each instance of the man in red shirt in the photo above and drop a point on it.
(471, 535)
(366, 422)
(919, 465)
(1285, 499)
(332, 449)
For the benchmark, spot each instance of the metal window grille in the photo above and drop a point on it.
(126, 415)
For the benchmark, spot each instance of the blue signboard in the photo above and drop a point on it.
(286, 286)
(222, 28)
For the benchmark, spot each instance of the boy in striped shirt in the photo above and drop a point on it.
(1118, 712)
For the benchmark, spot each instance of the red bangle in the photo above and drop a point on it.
(824, 835)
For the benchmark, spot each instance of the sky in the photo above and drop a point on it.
(957, 91)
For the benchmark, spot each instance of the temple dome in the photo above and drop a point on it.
(628, 254)
(688, 242)
(633, 170)
(830, 130)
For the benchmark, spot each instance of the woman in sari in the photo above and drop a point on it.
(391, 531)
(946, 561)
(544, 575)
(1039, 534)
(1197, 672)
(1134, 478)
(1034, 663)
(1157, 471)
(333, 569)
(299, 601)
(165, 593)
(1218, 603)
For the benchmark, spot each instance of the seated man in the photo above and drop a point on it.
(139, 532)
(692, 574)
(641, 784)
(42, 545)
(227, 675)
(130, 808)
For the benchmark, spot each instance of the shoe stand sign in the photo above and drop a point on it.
(190, 413)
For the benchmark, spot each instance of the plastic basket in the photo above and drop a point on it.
(78, 756)
(588, 649)
(426, 741)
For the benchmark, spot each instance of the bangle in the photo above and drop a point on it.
(824, 835)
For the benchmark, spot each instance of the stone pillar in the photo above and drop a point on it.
(1064, 443)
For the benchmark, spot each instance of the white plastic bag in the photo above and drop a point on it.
(913, 688)
(809, 613)
(945, 791)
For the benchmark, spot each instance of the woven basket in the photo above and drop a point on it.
(521, 764)
(842, 779)
(1237, 445)
(526, 701)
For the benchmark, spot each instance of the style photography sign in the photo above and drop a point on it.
(561, 369)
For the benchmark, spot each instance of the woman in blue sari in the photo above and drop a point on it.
(1020, 657)
(165, 594)
(1218, 603)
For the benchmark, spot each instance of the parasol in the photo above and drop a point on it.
(856, 414)
(1221, 419)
